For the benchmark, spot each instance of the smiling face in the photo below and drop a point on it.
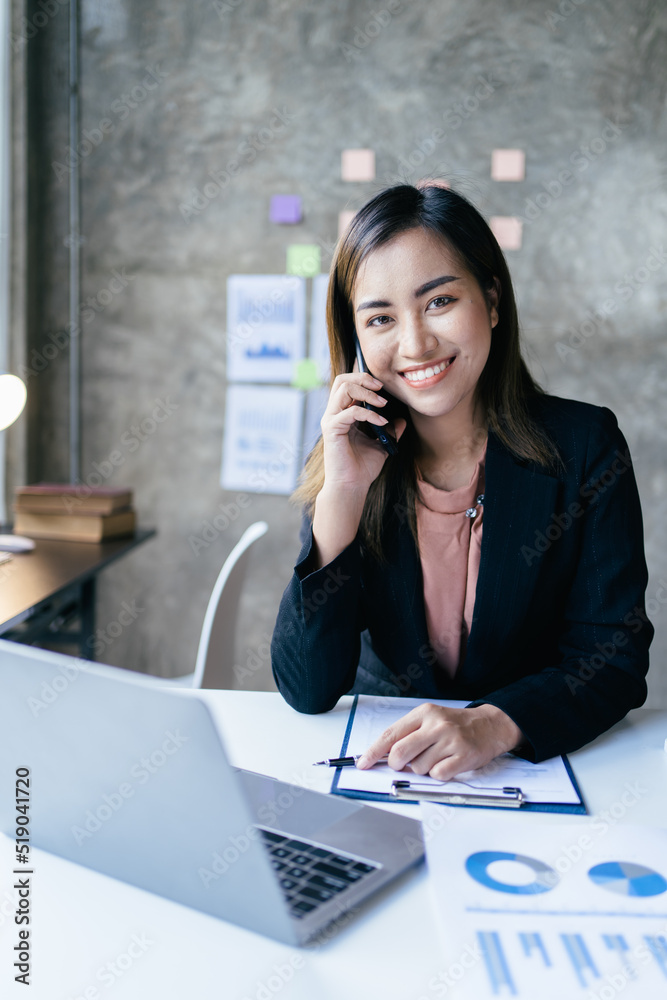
(424, 325)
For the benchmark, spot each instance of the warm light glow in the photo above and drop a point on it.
(12, 399)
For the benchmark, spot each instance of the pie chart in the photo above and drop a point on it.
(477, 866)
(627, 879)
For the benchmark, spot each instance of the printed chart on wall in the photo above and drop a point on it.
(260, 451)
(550, 911)
(319, 344)
(316, 404)
(266, 326)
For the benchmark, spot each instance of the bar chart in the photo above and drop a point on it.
(553, 910)
(515, 961)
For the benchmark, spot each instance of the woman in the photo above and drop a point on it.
(498, 555)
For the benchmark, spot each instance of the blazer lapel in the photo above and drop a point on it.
(519, 500)
(410, 638)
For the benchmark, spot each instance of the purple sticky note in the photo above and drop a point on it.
(285, 208)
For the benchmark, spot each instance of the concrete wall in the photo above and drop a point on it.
(171, 90)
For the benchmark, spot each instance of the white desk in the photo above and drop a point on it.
(83, 921)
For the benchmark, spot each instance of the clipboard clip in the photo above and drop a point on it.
(509, 797)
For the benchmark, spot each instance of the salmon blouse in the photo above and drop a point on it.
(449, 530)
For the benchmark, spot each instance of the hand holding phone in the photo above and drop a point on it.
(386, 440)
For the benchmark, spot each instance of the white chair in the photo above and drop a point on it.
(214, 666)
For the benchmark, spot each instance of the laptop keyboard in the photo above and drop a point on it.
(310, 875)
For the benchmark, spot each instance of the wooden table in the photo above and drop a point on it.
(42, 592)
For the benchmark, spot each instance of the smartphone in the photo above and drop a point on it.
(372, 430)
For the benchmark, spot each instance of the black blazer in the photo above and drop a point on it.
(559, 638)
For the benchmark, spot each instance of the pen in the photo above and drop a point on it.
(345, 761)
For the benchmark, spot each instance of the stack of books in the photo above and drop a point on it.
(77, 513)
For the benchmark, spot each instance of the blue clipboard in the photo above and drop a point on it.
(470, 800)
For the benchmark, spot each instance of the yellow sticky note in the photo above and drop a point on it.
(306, 374)
(508, 230)
(303, 259)
(508, 164)
(358, 165)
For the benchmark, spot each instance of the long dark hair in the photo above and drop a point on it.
(505, 387)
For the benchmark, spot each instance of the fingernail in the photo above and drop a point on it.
(363, 761)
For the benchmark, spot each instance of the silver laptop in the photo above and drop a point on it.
(132, 780)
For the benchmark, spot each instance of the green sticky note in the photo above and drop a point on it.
(303, 259)
(306, 374)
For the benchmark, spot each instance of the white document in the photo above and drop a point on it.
(261, 446)
(316, 404)
(319, 343)
(266, 326)
(548, 781)
(546, 911)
